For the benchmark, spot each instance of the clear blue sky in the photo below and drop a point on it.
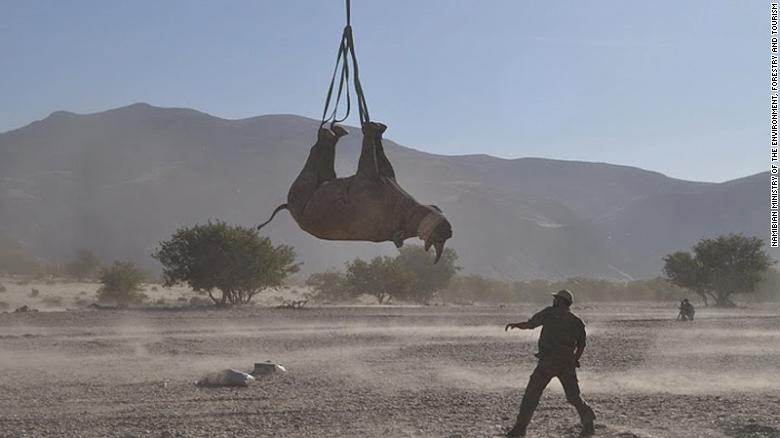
(680, 87)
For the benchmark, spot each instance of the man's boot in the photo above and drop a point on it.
(587, 416)
(516, 431)
(588, 429)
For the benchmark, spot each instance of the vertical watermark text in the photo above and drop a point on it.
(773, 134)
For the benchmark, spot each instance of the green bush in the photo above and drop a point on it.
(427, 278)
(382, 277)
(121, 284)
(231, 259)
(410, 276)
(329, 286)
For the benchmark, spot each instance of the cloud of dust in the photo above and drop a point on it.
(697, 360)
(679, 382)
(683, 360)
(481, 378)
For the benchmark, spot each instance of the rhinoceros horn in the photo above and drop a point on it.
(434, 229)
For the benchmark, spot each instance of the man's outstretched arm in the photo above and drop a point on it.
(532, 323)
(518, 325)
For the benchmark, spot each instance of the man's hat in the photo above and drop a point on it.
(565, 294)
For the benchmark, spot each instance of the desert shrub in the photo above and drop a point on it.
(329, 286)
(85, 264)
(427, 278)
(411, 276)
(382, 277)
(121, 284)
(34, 292)
(234, 260)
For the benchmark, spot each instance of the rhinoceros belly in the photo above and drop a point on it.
(343, 209)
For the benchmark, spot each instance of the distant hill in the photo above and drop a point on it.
(121, 180)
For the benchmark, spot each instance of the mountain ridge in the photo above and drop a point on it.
(120, 180)
(145, 105)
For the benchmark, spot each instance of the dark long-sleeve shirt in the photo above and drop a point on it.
(562, 332)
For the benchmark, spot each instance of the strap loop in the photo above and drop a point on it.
(346, 54)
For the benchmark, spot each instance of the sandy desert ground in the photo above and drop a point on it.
(376, 371)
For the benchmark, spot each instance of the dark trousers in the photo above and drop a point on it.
(544, 372)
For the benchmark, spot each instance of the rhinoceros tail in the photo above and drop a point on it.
(278, 209)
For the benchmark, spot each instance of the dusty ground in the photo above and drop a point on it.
(382, 371)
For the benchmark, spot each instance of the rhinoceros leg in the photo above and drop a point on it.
(373, 162)
(325, 159)
(385, 168)
(319, 168)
